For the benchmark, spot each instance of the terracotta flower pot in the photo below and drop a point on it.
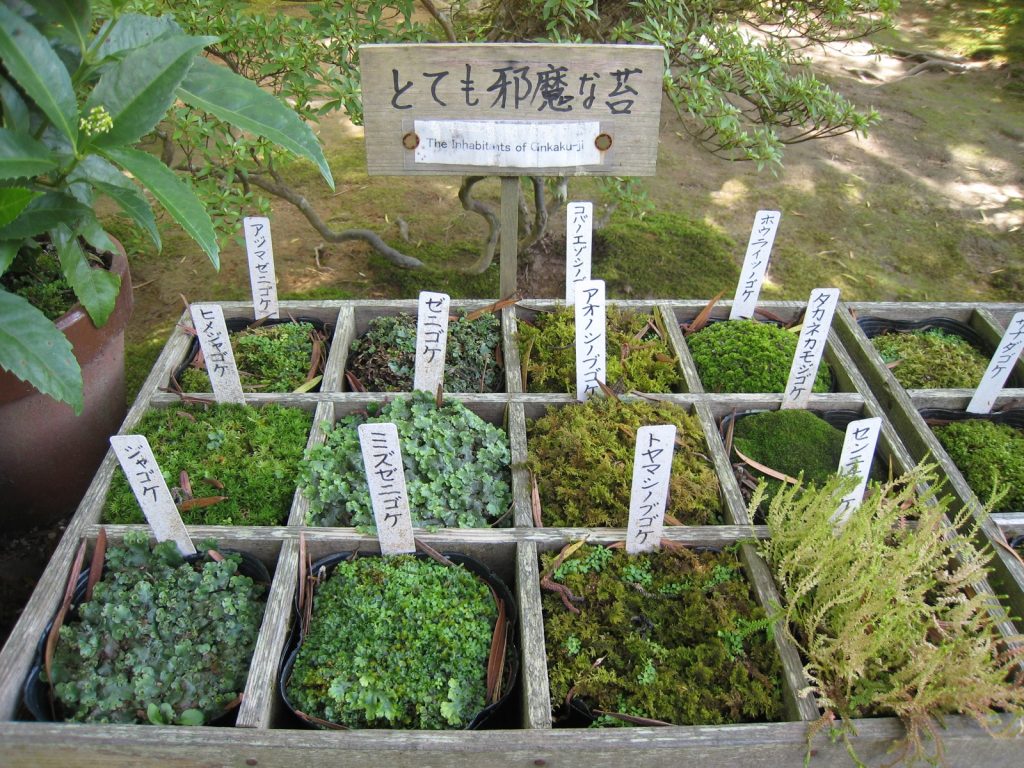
(47, 454)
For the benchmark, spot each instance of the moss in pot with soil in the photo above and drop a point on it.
(991, 458)
(931, 359)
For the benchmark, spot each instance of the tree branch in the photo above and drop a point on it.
(440, 18)
(494, 226)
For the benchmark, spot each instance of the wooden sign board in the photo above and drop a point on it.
(535, 109)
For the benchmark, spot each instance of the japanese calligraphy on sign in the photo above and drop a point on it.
(414, 94)
(382, 460)
(579, 239)
(858, 453)
(215, 343)
(148, 485)
(260, 250)
(755, 264)
(1000, 367)
(431, 341)
(652, 469)
(591, 341)
(810, 347)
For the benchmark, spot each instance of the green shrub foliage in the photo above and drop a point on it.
(991, 458)
(161, 641)
(748, 356)
(582, 458)
(931, 359)
(672, 635)
(384, 358)
(887, 615)
(456, 467)
(638, 354)
(248, 455)
(396, 642)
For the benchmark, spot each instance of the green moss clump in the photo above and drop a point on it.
(249, 455)
(37, 277)
(270, 358)
(747, 356)
(638, 355)
(396, 642)
(991, 458)
(673, 636)
(582, 457)
(931, 359)
(384, 358)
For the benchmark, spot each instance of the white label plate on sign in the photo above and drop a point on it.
(858, 453)
(579, 239)
(151, 491)
(260, 250)
(591, 340)
(652, 470)
(755, 264)
(810, 347)
(507, 143)
(1000, 367)
(382, 460)
(215, 342)
(431, 341)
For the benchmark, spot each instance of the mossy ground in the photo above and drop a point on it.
(991, 458)
(931, 359)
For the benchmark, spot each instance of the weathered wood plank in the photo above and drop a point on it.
(536, 704)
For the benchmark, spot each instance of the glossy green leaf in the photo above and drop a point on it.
(8, 250)
(132, 30)
(13, 107)
(32, 63)
(173, 194)
(21, 156)
(244, 104)
(13, 201)
(34, 350)
(42, 214)
(96, 288)
(74, 17)
(109, 180)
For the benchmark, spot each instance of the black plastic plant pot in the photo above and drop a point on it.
(503, 647)
(37, 694)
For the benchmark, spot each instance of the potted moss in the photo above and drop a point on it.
(383, 358)
(670, 637)
(581, 456)
(401, 642)
(456, 466)
(638, 353)
(226, 464)
(162, 639)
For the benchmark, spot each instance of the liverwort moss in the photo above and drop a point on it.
(384, 358)
(672, 635)
(991, 458)
(931, 359)
(250, 456)
(582, 457)
(638, 354)
(396, 642)
(747, 356)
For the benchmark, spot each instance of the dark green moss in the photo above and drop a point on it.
(673, 636)
(991, 458)
(931, 359)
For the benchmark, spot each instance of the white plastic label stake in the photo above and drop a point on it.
(1000, 367)
(810, 347)
(151, 490)
(431, 341)
(858, 453)
(755, 264)
(260, 249)
(208, 320)
(591, 355)
(579, 240)
(382, 460)
(652, 469)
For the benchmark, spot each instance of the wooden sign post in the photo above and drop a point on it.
(523, 109)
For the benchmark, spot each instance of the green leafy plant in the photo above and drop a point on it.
(78, 92)
(227, 464)
(396, 642)
(456, 467)
(747, 356)
(673, 636)
(161, 641)
(888, 616)
(931, 359)
(991, 458)
(383, 359)
(582, 458)
(638, 354)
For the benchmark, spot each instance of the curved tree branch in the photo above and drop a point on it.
(540, 215)
(440, 18)
(494, 227)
